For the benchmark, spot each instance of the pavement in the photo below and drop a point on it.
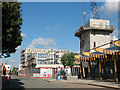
(113, 85)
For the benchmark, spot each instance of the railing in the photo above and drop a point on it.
(23, 58)
(29, 55)
(30, 59)
(22, 51)
(24, 65)
(22, 55)
(31, 62)
(29, 72)
(22, 62)
(76, 31)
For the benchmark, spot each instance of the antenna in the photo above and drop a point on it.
(81, 22)
(84, 17)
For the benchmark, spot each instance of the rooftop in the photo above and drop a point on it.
(34, 50)
(95, 24)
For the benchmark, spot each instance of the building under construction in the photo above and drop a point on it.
(96, 51)
(35, 58)
(94, 34)
(41, 63)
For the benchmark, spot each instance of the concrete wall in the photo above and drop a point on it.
(101, 38)
(98, 23)
(86, 38)
(104, 24)
(91, 36)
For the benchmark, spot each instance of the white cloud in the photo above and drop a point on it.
(48, 28)
(51, 27)
(19, 47)
(23, 35)
(31, 46)
(77, 51)
(45, 42)
(113, 37)
(13, 61)
(110, 6)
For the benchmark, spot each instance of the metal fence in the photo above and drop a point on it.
(29, 72)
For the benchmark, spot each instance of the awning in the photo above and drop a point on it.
(110, 51)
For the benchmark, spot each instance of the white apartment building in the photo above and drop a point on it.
(35, 58)
(96, 33)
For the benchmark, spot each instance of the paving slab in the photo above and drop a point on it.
(87, 82)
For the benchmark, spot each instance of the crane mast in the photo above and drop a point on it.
(95, 13)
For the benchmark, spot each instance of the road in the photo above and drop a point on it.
(24, 83)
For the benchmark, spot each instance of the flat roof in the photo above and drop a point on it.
(95, 24)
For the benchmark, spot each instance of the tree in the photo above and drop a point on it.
(68, 60)
(11, 25)
(64, 60)
(71, 59)
(14, 70)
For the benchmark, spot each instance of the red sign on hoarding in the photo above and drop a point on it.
(44, 75)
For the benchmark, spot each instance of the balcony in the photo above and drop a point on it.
(23, 65)
(22, 51)
(22, 62)
(22, 55)
(29, 56)
(23, 58)
(31, 63)
(31, 59)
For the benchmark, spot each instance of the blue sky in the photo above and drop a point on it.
(52, 25)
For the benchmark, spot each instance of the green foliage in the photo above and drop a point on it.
(11, 25)
(64, 60)
(68, 59)
(14, 70)
(71, 59)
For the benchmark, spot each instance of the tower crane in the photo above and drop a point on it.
(95, 13)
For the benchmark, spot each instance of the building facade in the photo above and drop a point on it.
(96, 33)
(35, 58)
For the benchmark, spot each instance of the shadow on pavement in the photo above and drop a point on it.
(15, 83)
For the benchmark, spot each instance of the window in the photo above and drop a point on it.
(94, 32)
(39, 55)
(38, 61)
(57, 56)
(94, 44)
